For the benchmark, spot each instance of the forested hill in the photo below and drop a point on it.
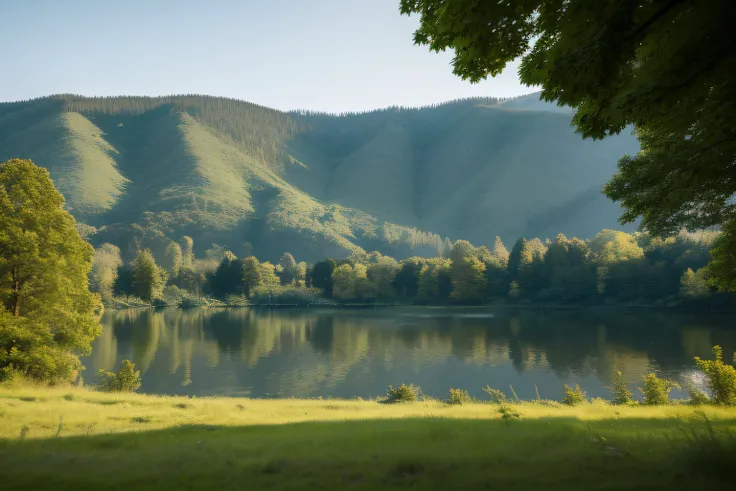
(150, 170)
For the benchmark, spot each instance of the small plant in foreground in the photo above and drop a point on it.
(721, 377)
(403, 393)
(507, 413)
(497, 396)
(656, 390)
(459, 396)
(573, 397)
(621, 393)
(128, 379)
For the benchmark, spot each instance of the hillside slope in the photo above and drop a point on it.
(149, 170)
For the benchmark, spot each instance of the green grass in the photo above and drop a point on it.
(75, 439)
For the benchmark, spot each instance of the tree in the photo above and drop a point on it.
(288, 269)
(251, 274)
(499, 253)
(187, 259)
(175, 259)
(47, 314)
(149, 279)
(321, 276)
(667, 67)
(105, 271)
(467, 272)
(514, 291)
(694, 284)
(406, 281)
(343, 282)
(381, 275)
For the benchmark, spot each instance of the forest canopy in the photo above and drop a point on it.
(665, 66)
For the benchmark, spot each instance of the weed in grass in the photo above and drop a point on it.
(61, 426)
(508, 413)
(621, 393)
(69, 397)
(573, 397)
(720, 376)
(497, 396)
(459, 396)
(28, 399)
(24, 432)
(403, 393)
(182, 405)
(656, 390)
(240, 406)
(139, 419)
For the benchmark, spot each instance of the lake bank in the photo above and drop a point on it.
(76, 439)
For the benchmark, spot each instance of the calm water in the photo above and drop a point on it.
(349, 353)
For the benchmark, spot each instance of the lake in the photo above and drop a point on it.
(351, 353)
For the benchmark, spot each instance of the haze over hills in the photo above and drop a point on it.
(150, 170)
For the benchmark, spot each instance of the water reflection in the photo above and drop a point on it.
(350, 353)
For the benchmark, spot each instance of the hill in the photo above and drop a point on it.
(150, 170)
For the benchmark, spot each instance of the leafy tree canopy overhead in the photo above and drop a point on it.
(666, 66)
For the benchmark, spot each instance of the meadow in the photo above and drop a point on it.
(64, 438)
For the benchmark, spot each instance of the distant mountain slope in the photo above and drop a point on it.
(149, 170)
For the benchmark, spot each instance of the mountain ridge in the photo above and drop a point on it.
(254, 179)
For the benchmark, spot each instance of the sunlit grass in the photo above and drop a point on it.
(76, 439)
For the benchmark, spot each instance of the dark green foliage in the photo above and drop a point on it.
(228, 277)
(621, 393)
(128, 379)
(656, 391)
(508, 413)
(721, 377)
(665, 67)
(573, 397)
(320, 276)
(406, 281)
(403, 393)
(459, 396)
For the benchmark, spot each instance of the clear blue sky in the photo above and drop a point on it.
(331, 55)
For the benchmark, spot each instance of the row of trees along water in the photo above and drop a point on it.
(612, 268)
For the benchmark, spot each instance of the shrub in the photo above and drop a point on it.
(507, 413)
(172, 295)
(497, 396)
(284, 295)
(656, 390)
(621, 393)
(459, 396)
(403, 393)
(721, 378)
(236, 301)
(128, 379)
(697, 398)
(573, 397)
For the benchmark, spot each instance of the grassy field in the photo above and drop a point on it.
(76, 439)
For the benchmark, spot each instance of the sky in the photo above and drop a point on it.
(327, 55)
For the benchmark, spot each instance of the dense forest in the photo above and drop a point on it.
(613, 268)
(143, 171)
